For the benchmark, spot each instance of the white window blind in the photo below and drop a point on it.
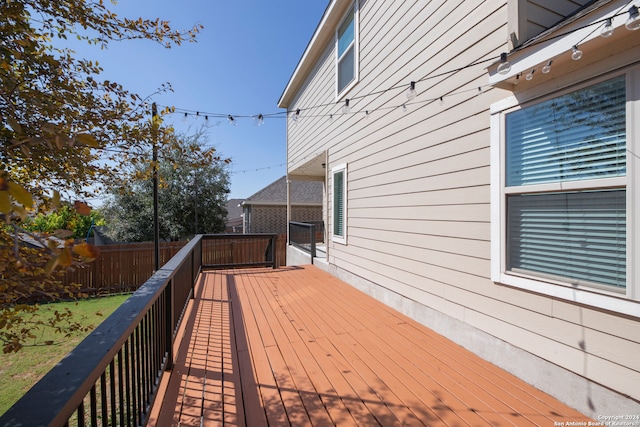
(338, 203)
(580, 135)
(578, 237)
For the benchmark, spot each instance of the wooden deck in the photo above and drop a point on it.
(296, 346)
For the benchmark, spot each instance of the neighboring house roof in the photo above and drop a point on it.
(234, 210)
(302, 193)
(34, 243)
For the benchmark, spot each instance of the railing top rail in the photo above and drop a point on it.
(237, 236)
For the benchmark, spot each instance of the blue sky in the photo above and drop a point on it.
(240, 65)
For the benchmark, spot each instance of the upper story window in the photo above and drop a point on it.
(563, 191)
(347, 50)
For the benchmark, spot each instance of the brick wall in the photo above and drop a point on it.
(273, 218)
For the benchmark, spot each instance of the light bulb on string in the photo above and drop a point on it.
(547, 67)
(504, 66)
(633, 23)
(404, 108)
(295, 116)
(576, 53)
(517, 80)
(259, 120)
(411, 93)
(345, 108)
(529, 76)
(184, 119)
(197, 115)
(607, 30)
(231, 120)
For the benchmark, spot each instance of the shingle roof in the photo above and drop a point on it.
(302, 192)
(233, 208)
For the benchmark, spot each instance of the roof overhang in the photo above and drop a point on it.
(324, 34)
(313, 169)
(556, 43)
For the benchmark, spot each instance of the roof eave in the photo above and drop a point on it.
(323, 33)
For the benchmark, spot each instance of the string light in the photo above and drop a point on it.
(529, 76)
(345, 108)
(633, 23)
(607, 30)
(411, 93)
(576, 53)
(504, 66)
(257, 169)
(295, 116)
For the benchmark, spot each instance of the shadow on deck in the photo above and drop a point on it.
(297, 346)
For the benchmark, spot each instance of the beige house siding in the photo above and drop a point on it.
(419, 205)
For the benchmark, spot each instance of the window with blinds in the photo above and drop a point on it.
(339, 203)
(576, 236)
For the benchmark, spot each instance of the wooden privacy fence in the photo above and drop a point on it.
(125, 267)
(120, 268)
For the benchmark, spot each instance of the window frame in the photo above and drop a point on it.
(342, 168)
(627, 301)
(352, 10)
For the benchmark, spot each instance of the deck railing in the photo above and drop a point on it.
(305, 235)
(111, 378)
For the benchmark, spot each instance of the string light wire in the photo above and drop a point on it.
(403, 86)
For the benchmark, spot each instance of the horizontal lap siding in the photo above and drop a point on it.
(418, 219)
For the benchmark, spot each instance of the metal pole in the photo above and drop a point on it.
(156, 226)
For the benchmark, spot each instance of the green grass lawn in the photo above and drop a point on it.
(19, 371)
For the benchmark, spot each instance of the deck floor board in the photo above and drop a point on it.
(296, 346)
